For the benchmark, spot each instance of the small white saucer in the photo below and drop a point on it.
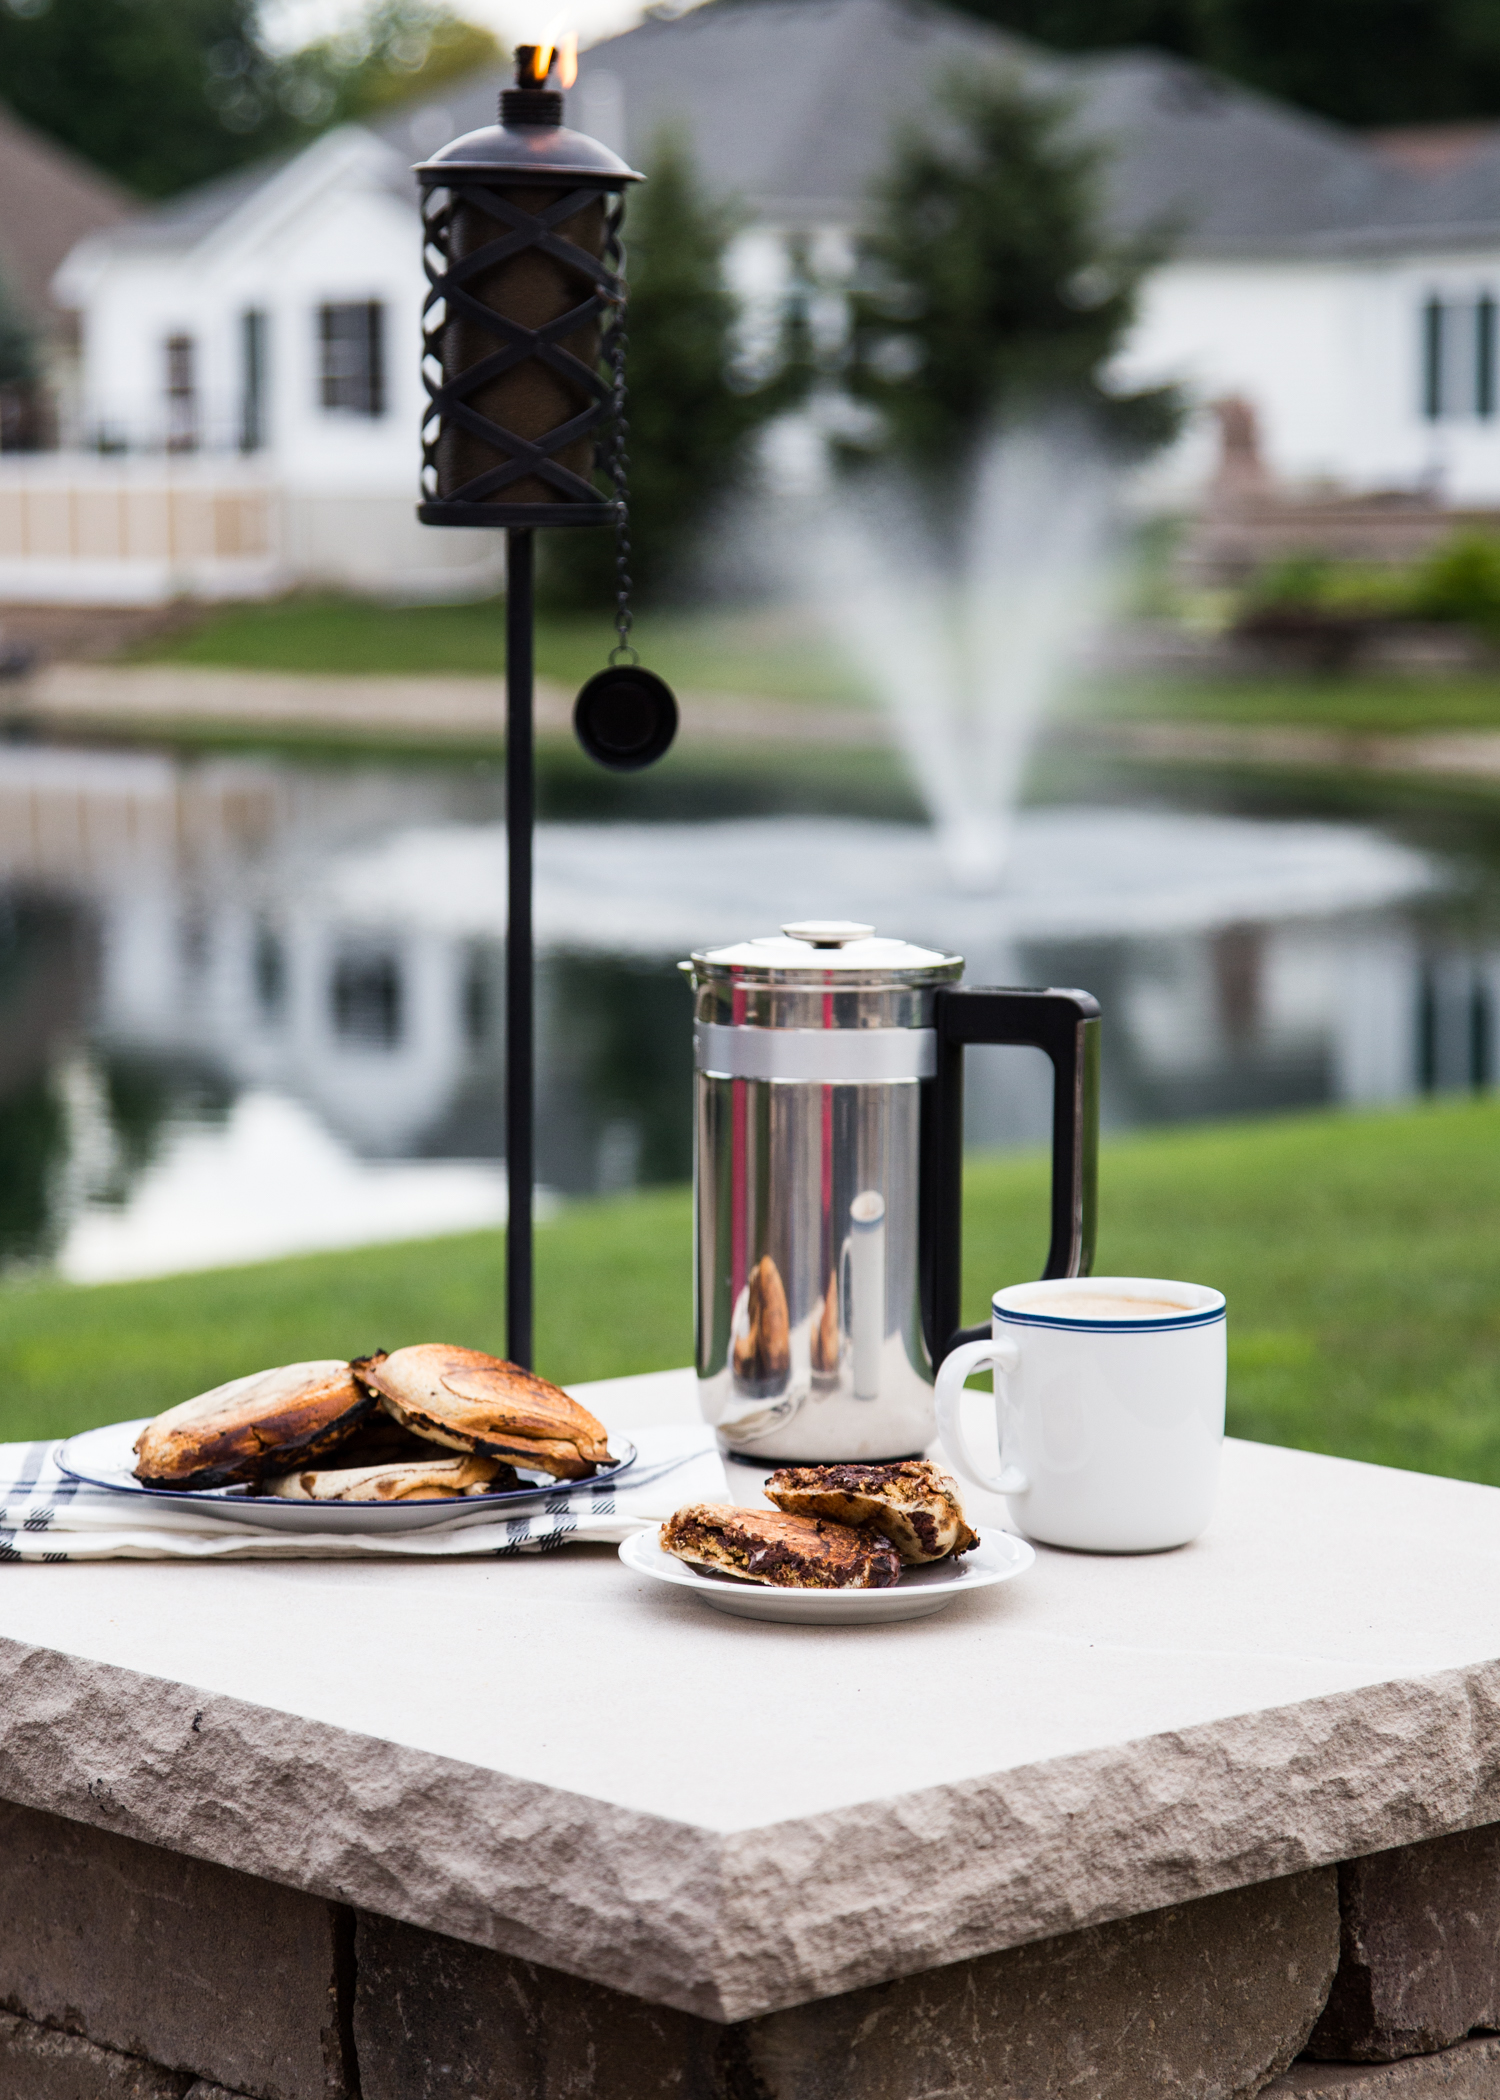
(997, 1557)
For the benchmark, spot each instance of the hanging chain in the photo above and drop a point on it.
(624, 651)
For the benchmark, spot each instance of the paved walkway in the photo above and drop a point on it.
(1439, 754)
(142, 696)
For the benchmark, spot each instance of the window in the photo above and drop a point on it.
(366, 998)
(1484, 355)
(182, 394)
(268, 968)
(478, 999)
(1459, 347)
(254, 328)
(351, 357)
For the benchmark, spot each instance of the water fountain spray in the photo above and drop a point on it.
(967, 649)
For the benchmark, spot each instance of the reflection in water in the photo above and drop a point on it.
(248, 1006)
(44, 974)
(269, 1179)
(33, 1136)
(617, 1038)
(366, 995)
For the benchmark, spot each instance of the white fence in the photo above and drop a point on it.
(80, 529)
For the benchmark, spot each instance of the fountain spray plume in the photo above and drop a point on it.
(968, 644)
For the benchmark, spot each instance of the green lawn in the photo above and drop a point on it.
(770, 653)
(780, 654)
(761, 654)
(1360, 1254)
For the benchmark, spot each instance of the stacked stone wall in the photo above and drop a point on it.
(128, 1972)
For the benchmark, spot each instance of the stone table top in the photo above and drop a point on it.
(553, 1757)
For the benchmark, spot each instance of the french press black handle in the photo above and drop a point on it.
(1066, 1025)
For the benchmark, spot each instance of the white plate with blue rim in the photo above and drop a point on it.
(104, 1458)
(999, 1557)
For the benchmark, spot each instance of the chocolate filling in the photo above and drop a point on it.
(852, 1477)
(924, 1524)
(909, 1501)
(849, 1566)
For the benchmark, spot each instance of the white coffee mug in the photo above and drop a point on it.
(1109, 1400)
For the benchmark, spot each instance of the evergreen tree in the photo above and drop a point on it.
(18, 359)
(162, 94)
(987, 288)
(22, 421)
(693, 412)
(1362, 61)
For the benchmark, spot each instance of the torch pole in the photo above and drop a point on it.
(520, 809)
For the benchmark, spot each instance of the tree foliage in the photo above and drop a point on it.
(986, 287)
(394, 50)
(18, 358)
(694, 412)
(1363, 61)
(162, 94)
(159, 93)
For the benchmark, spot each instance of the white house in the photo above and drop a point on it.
(259, 337)
(255, 342)
(1369, 352)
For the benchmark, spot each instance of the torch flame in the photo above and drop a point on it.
(564, 53)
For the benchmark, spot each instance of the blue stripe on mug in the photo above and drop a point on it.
(1204, 1318)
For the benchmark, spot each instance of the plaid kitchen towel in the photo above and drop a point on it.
(45, 1516)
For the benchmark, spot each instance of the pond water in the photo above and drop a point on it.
(251, 1006)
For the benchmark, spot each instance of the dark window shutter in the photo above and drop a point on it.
(1484, 355)
(1432, 360)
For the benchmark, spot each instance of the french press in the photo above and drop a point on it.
(828, 1170)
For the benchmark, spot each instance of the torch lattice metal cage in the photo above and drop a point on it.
(522, 254)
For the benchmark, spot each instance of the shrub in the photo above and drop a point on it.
(1309, 582)
(1461, 581)
(990, 287)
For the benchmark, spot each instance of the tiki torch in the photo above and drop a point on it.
(523, 363)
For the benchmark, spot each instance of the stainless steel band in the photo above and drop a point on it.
(816, 1056)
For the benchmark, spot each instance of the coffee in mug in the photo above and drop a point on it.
(1094, 1305)
(1109, 1403)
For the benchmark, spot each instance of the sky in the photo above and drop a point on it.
(288, 23)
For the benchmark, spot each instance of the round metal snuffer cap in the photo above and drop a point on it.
(818, 948)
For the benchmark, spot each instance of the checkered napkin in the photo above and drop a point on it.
(45, 1516)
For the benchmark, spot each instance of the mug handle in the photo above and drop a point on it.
(1003, 1355)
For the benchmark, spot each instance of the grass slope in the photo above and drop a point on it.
(613, 1290)
(767, 653)
(1360, 1254)
(778, 654)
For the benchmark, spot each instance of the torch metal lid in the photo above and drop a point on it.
(529, 143)
(529, 153)
(810, 950)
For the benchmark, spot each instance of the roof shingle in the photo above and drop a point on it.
(791, 106)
